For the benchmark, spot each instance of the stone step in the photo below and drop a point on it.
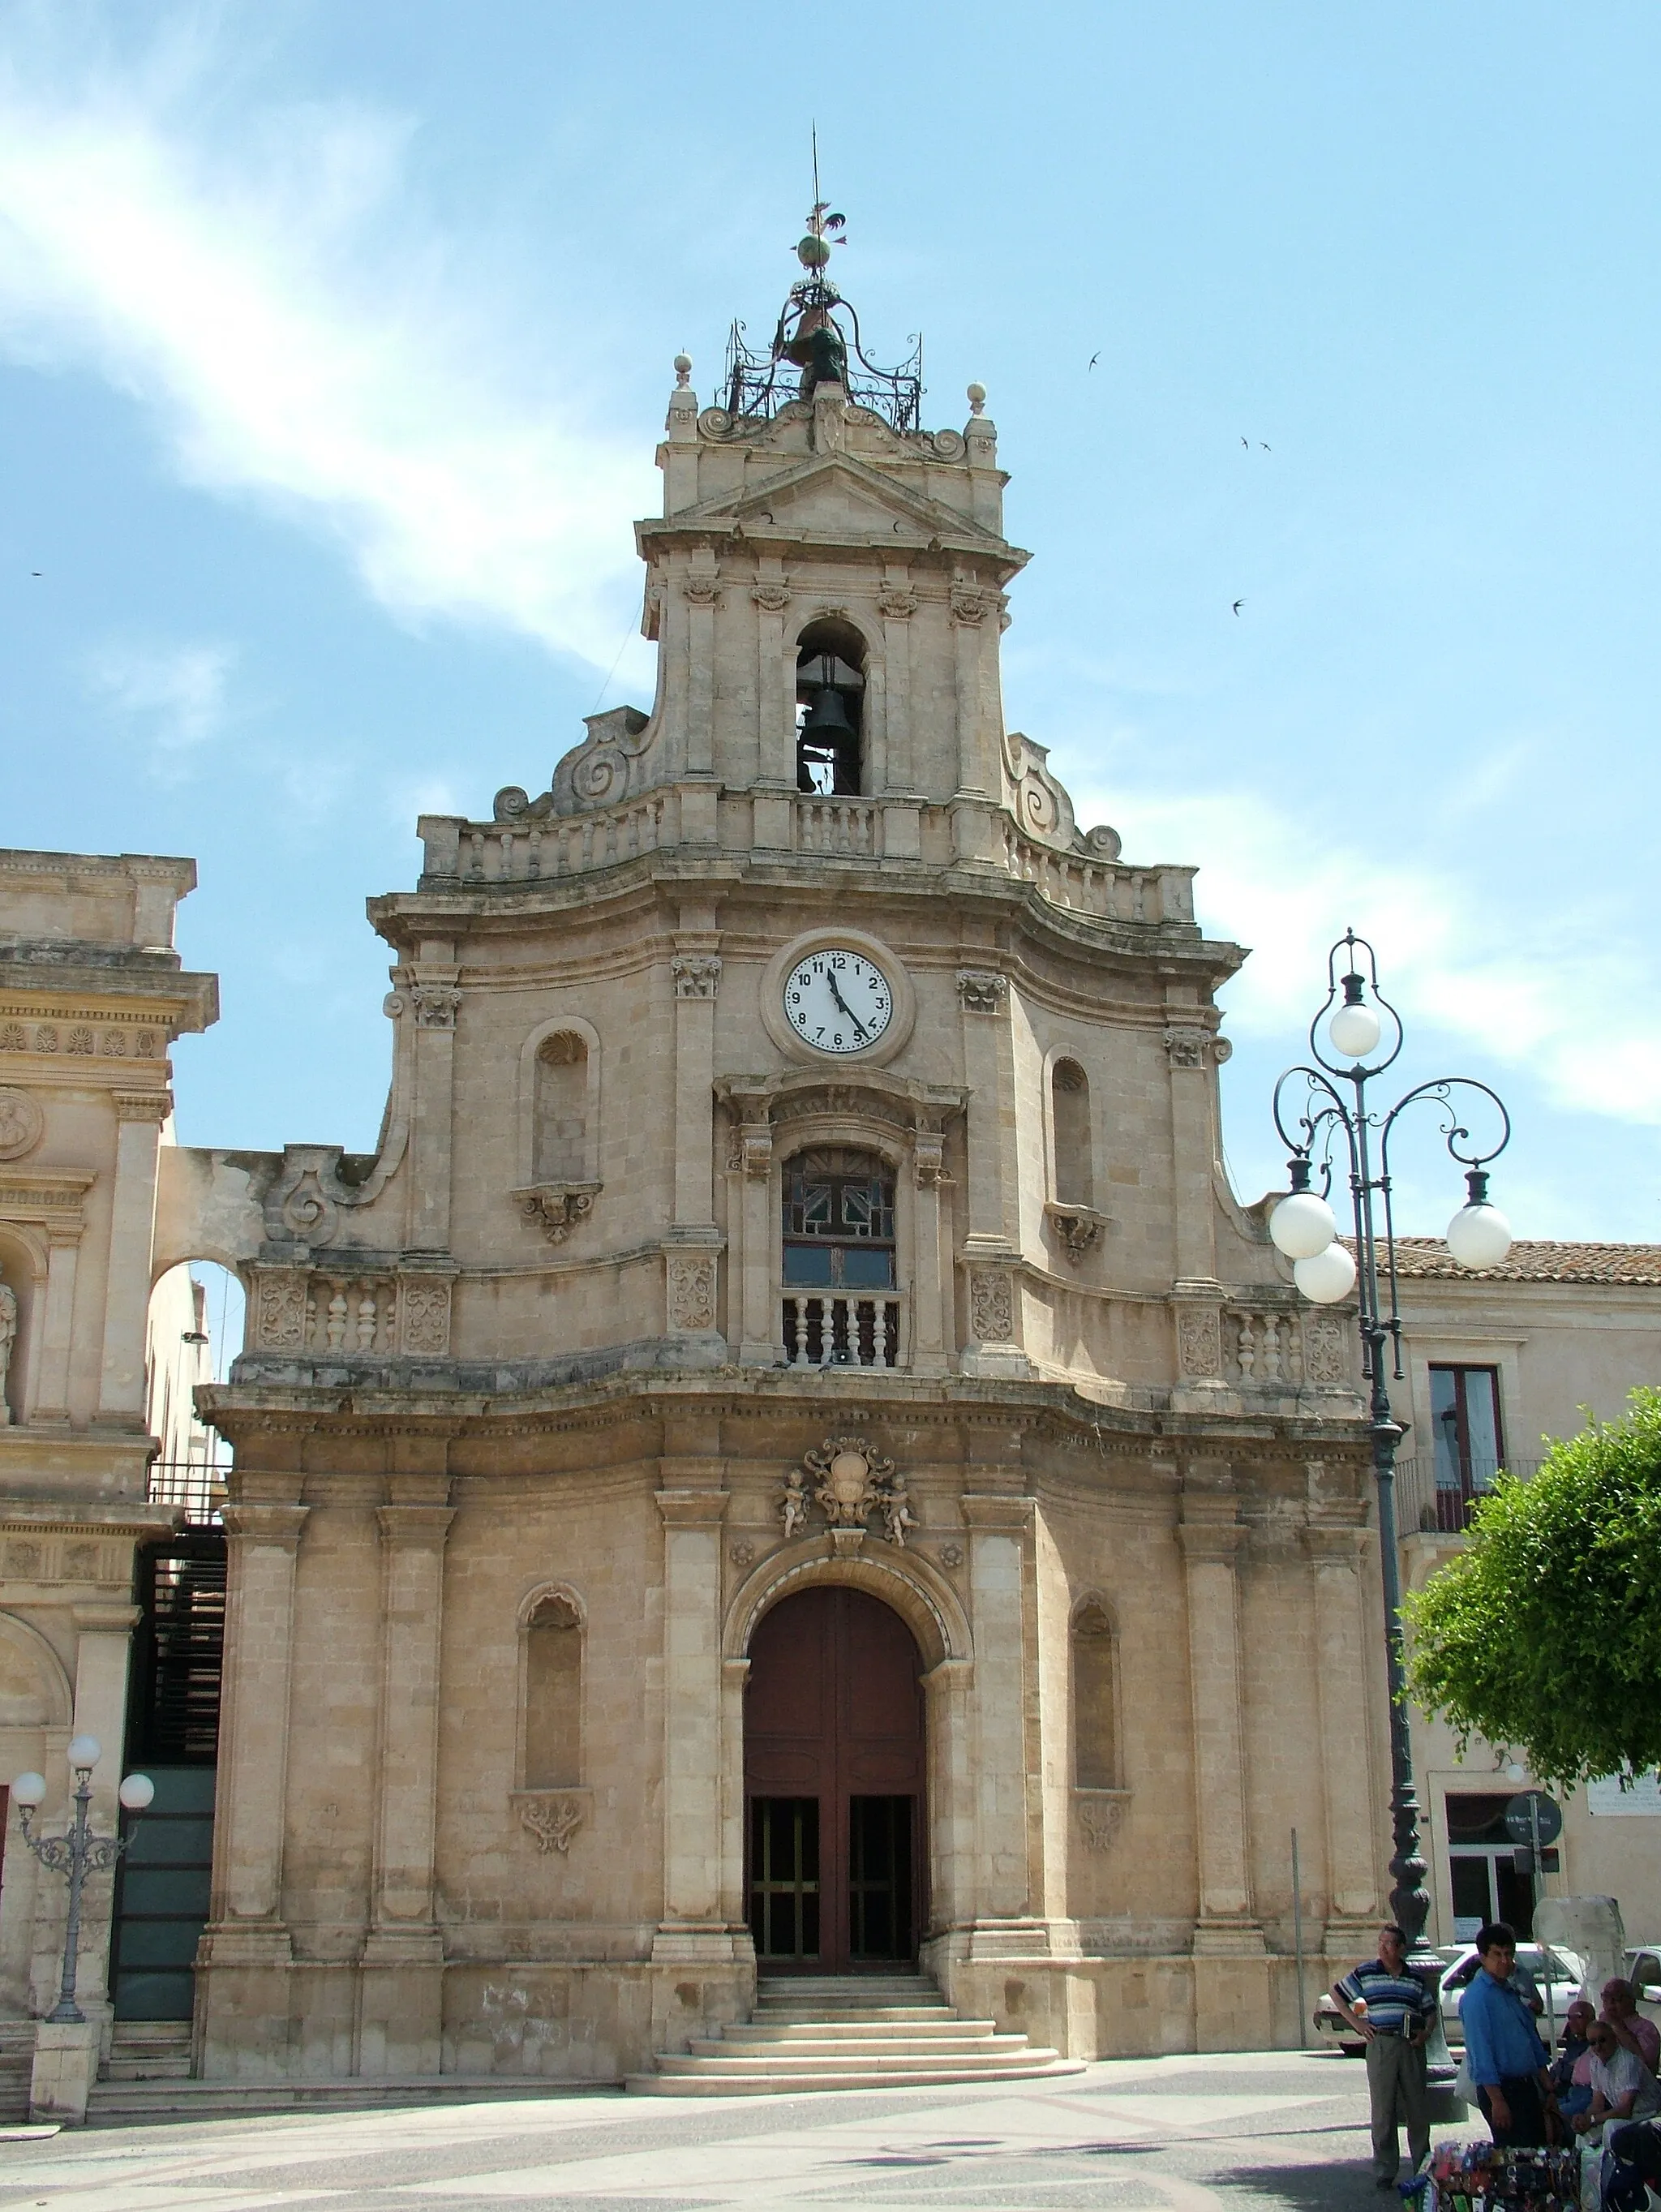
(741, 2043)
(148, 2050)
(774, 2083)
(946, 2024)
(787, 2063)
(113, 2103)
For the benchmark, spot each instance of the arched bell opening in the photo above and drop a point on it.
(834, 1770)
(830, 709)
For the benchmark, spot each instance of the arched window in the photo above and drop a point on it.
(1070, 1105)
(840, 1244)
(560, 1144)
(552, 1694)
(830, 708)
(1095, 1700)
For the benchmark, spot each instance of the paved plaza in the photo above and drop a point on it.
(1241, 2133)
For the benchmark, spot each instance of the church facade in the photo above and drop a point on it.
(789, 1456)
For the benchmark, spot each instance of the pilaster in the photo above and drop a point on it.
(139, 1115)
(1335, 1553)
(435, 1001)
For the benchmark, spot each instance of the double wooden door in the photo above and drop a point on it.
(834, 1768)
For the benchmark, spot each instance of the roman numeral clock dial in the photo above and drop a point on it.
(838, 1001)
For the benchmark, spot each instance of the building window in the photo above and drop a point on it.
(1465, 1419)
(1070, 1117)
(1489, 1874)
(552, 1694)
(840, 1307)
(1095, 1701)
(830, 709)
(560, 1142)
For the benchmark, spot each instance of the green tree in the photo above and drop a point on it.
(1545, 1632)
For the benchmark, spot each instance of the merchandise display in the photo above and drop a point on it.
(1478, 2177)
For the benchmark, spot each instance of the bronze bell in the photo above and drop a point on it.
(827, 720)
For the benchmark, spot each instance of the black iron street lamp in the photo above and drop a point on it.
(78, 1853)
(1304, 1228)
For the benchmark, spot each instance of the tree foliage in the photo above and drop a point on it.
(1545, 1632)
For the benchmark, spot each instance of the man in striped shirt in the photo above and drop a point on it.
(1391, 2011)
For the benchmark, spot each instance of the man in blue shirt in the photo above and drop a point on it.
(1390, 2009)
(1507, 2060)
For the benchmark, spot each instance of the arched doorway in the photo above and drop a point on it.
(833, 1768)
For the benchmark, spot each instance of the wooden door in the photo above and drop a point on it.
(833, 1785)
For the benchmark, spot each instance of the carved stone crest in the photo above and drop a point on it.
(691, 1291)
(552, 1817)
(22, 1124)
(850, 1480)
(1325, 1352)
(1101, 1814)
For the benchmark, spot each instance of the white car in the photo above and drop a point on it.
(1460, 1962)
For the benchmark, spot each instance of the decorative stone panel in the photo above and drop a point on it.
(691, 1285)
(992, 1305)
(345, 1313)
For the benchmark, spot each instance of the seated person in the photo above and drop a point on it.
(1570, 2072)
(1628, 2026)
(1622, 2086)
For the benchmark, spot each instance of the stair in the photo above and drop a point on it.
(854, 2032)
(148, 2050)
(118, 2103)
(16, 2068)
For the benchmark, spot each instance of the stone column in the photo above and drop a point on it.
(775, 700)
(132, 1234)
(1340, 1681)
(930, 1332)
(1193, 1051)
(704, 1966)
(897, 603)
(402, 1982)
(246, 1953)
(434, 1002)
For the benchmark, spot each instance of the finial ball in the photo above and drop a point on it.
(682, 367)
(977, 397)
(812, 251)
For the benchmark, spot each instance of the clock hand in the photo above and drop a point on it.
(843, 1005)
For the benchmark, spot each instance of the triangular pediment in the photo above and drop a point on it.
(834, 495)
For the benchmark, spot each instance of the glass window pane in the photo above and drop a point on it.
(1482, 1423)
(1445, 1426)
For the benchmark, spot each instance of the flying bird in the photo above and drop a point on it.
(1266, 448)
(1246, 442)
(1094, 358)
(1238, 603)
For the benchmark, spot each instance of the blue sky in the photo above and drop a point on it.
(335, 344)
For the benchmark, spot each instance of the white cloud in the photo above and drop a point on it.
(176, 694)
(299, 344)
(1562, 990)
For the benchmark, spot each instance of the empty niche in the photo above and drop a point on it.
(1096, 1699)
(553, 1636)
(560, 1141)
(1069, 1104)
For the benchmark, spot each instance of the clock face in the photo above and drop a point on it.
(837, 1000)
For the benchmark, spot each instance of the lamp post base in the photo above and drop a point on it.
(65, 2068)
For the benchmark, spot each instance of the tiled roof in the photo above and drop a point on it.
(1535, 1262)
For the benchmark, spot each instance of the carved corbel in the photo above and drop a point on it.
(559, 1207)
(1079, 1229)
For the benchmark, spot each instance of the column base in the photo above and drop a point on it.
(242, 1979)
(65, 2068)
(702, 1979)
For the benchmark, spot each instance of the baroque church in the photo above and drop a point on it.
(788, 1459)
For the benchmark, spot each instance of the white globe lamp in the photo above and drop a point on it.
(1301, 1226)
(1354, 1028)
(1479, 1236)
(1326, 1277)
(137, 1793)
(85, 1751)
(29, 1789)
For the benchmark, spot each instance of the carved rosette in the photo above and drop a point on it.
(697, 975)
(980, 991)
(849, 1481)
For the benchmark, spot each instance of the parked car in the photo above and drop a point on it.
(1460, 1962)
(1644, 1972)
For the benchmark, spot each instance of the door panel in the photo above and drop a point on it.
(834, 1718)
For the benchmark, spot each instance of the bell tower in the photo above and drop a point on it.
(826, 586)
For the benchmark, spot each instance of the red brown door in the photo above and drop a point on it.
(833, 1785)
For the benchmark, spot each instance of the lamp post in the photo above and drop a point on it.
(1359, 1050)
(79, 1852)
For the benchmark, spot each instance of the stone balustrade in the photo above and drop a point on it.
(842, 1329)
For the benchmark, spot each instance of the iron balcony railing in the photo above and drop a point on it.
(196, 1485)
(1433, 1500)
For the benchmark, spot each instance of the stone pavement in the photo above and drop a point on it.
(1239, 2133)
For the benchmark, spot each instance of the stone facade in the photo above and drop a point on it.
(92, 995)
(538, 1350)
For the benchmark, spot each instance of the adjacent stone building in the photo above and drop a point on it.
(788, 1453)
